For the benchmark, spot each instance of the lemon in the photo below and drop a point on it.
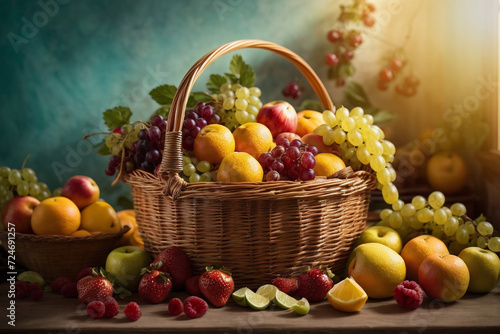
(284, 301)
(240, 167)
(302, 307)
(255, 301)
(347, 296)
(239, 296)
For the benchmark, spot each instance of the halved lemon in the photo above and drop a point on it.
(347, 296)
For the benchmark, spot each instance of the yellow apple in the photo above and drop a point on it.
(383, 235)
(484, 269)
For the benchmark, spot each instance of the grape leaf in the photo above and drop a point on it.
(214, 83)
(116, 117)
(242, 71)
(163, 94)
(310, 105)
(356, 96)
(104, 150)
(200, 97)
(381, 116)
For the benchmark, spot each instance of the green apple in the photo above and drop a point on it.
(125, 264)
(382, 235)
(484, 268)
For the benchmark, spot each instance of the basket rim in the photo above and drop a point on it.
(66, 238)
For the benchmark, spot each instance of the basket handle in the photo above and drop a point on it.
(172, 153)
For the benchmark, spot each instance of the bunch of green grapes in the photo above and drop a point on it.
(24, 182)
(196, 171)
(362, 144)
(449, 224)
(238, 104)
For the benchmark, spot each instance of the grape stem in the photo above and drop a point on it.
(118, 176)
(24, 162)
(97, 133)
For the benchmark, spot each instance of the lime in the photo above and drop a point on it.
(239, 296)
(284, 301)
(269, 291)
(31, 277)
(255, 301)
(302, 307)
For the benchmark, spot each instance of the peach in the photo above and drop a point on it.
(18, 212)
(82, 190)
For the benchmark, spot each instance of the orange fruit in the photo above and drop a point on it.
(417, 250)
(444, 277)
(55, 216)
(213, 143)
(132, 237)
(80, 233)
(347, 296)
(308, 121)
(100, 217)
(327, 164)
(253, 138)
(447, 172)
(240, 167)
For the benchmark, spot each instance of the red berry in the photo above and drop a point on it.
(356, 40)
(176, 263)
(382, 85)
(22, 289)
(286, 285)
(331, 59)
(118, 130)
(175, 306)
(58, 283)
(132, 311)
(400, 89)
(193, 287)
(409, 294)
(112, 307)
(340, 82)
(84, 272)
(348, 55)
(369, 21)
(314, 285)
(412, 81)
(396, 65)
(217, 286)
(96, 309)
(371, 7)
(195, 307)
(69, 290)
(155, 286)
(385, 75)
(334, 36)
(92, 288)
(35, 290)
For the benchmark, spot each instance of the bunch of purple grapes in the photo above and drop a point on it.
(195, 120)
(289, 161)
(146, 152)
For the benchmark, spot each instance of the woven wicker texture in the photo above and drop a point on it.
(258, 230)
(54, 256)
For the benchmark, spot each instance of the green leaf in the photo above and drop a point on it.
(232, 78)
(242, 71)
(383, 116)
(235, 64)
(356, 96)
(201, 97)
(214, 83)
(104, 150)
(116, 117)
(163, 94)
(310, 105)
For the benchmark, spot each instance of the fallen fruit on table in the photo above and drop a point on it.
(239, 296)
(409, 294)
(347, 296)
(132, 311)
(195, 307)
(484, 269)
(314, 284)
(155, 285)
(193, 286)
(256, 301)
(302, 307)
(175, 306)
(444, 277)
(377, 268)
(217, 285)
(31, 277)
(125, 264)
(175, 262)
(82, 190)
(286, 285)
(18, 211)
(58, 284)
(92, 288)
(383, 235)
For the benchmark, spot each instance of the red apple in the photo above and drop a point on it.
(288, 135)
(18, 211)
(278, 116)
(317, 140)
(82, 190)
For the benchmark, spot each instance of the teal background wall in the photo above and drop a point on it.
(62, 63)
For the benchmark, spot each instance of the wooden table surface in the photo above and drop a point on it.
(56, 314)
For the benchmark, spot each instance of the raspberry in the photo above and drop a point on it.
(96, 309)
(192, 286)
(409, 294)
(69, 290)
(132, 311)
(58, 283)
(111, 306)
(175, 306)
(195, 307)
(35, 290)
(22, 290)
(84, 272)
(286, 285)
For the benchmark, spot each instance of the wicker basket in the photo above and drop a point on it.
(54, 256)
(258, 230)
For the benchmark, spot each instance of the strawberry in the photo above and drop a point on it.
(193, 286)
(314, 284)
(92, 288)
(286, 285)
(176, 263)
(155, 285)
(217, 285)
